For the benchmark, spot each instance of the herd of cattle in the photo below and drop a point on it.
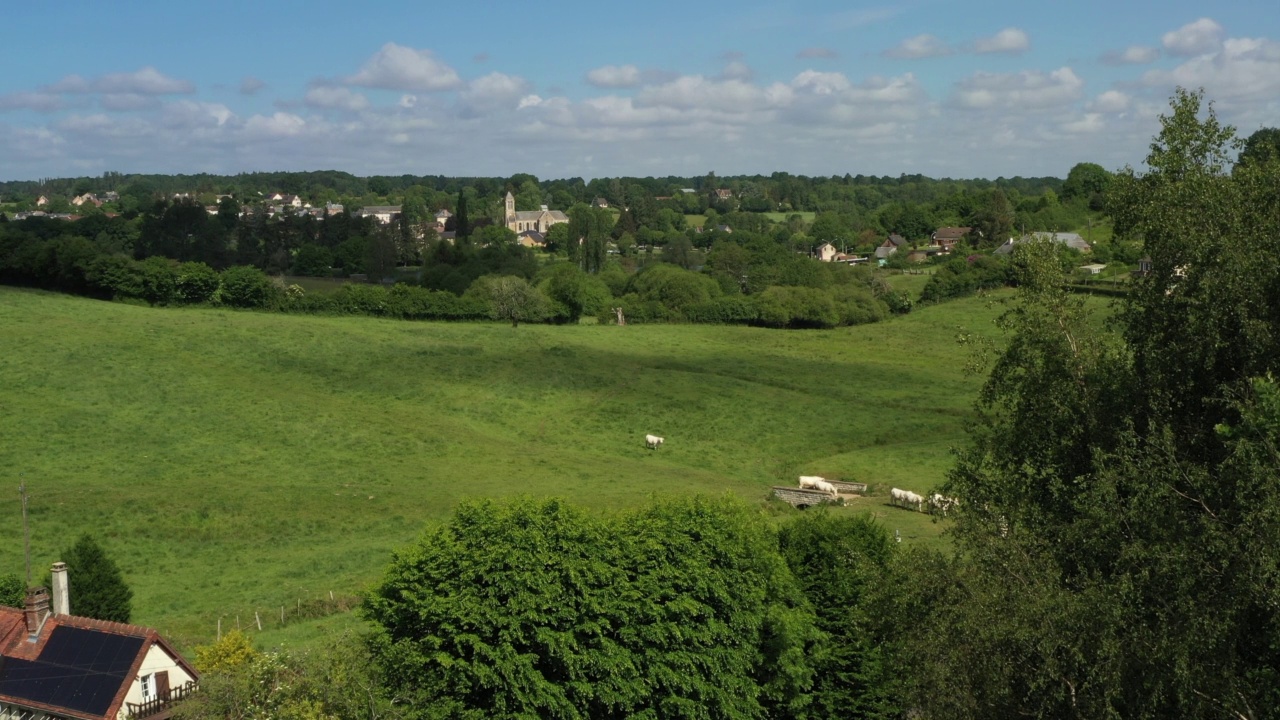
(898, 497)
(915, 501)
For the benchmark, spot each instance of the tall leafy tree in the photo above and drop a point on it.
(588, 236)
(1263, 146)
(1085, 180)
(994, 220)
(844, 566)
(462, 223)
(1117, 549)
(97, 587)
(536, 609)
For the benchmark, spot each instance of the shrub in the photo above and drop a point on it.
(573, 292)
(114, 277)
(898, 302)
(856, 305)
(159, 280)
(673, 287)
(197, 282)
(246, 287)
(797, 307)
(732, 309)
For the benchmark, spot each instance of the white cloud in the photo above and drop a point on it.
(335, 98)
(822, 83)
(614, 76)
(408, 101)
(250, 85)
(1196, 38)
(1087, 124)
(1015, 92)
(44, 102)
(1245, 69)
(696, 92)
(147, 81)
(279, 125)
(737, 70)
(1009, 40)
(492, 92)
(817, 53)
(920, 46)
(396, 67)
(190, 115)
(125, 102)
(1111, 101)
(1132, 55)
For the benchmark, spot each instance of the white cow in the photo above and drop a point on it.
(653, 441)
(941, 503)
(815, 482)
(903, 498)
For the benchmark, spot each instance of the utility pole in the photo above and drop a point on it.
(26, 531)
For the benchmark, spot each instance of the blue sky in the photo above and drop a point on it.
(963, 89)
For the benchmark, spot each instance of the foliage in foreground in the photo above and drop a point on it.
(1117, 552)
(336, 681)
(682, 609)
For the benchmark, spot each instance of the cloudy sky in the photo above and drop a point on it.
(980, 88)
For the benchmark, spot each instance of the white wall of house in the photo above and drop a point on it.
(157, 660)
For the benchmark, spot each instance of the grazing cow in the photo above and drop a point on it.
(810, 482)
(903, 498)
(815, 482)
(653, 441)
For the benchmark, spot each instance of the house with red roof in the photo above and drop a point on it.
(58, 666)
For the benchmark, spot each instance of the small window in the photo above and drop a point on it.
(146, 687)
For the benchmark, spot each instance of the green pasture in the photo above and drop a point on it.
(806, 215)
(239, 461)
(911, 283)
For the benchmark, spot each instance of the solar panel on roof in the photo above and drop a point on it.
(77, 669)
(91, 650)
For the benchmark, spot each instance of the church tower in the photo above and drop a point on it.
(511, 210)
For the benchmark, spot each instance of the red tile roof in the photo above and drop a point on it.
(14, 643)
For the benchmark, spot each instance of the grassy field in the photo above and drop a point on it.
(806, 215)
(234, 461)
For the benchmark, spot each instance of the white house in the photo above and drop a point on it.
(383, 213)
(57, 666)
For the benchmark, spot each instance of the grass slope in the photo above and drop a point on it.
(232, 461)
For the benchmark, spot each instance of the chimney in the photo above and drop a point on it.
(61, 590)
(37, 609)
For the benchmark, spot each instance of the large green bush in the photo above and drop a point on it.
(673, 287)
(573, 292)
(246, 287)
(535, 609)
(197, 283)
(797, 307)
(159, 280)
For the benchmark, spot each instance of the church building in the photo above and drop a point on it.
(532, 220)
